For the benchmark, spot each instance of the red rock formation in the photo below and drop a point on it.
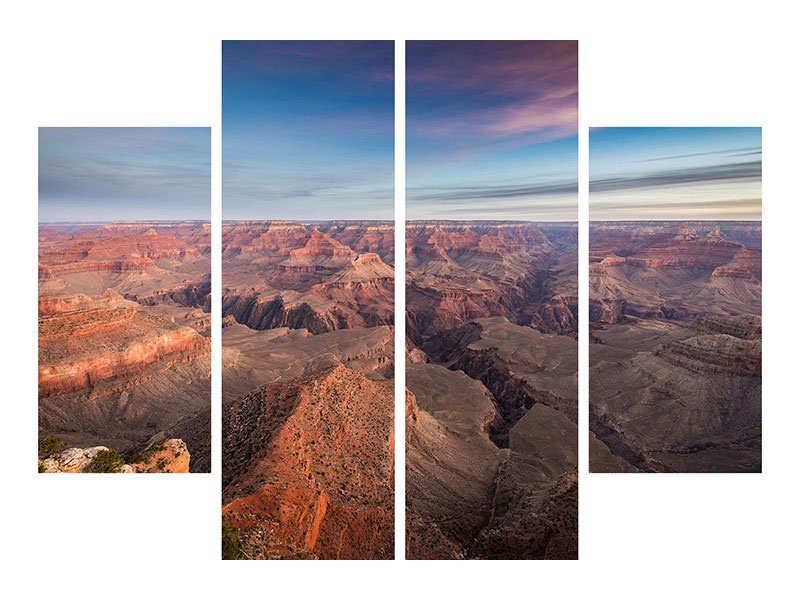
(308, 468)
(709, 253)
(302, 277)
(746, 327)
(460, 271)
(104, 341)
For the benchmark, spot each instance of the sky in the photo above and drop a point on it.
(124, 173)
(681, 173)
(491, 130)
(308, 130)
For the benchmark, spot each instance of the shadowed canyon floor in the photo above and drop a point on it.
(308, 367)
(491, 407)
(124, 336)
(675, 352)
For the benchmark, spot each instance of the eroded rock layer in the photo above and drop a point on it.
(321, 276)
(491, 369)
(308, 468)
(675, 311)
(124, 326)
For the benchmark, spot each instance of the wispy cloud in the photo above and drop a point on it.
(127, 172)
(458, 194)
(753, 151)
(479, 117)
(732, 171)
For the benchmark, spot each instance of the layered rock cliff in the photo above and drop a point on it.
(107, 345)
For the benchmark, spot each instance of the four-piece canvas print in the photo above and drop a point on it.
(308, 300)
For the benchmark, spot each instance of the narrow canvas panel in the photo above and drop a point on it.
(675, 299)
(308, 300)
(124, 300)
(491, 271)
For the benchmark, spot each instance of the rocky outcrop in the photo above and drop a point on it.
(192, 293)
(309, 467)
(306, 276)
(164, 456)
(747, 327)
(558, 315)
(718, 354)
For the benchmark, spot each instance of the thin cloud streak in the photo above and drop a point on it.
(744, 171)
(730, 152)
(478, 192)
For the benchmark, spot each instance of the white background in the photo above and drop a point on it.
(158, 63)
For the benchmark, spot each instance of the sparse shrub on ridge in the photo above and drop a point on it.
(50, 445)
(140, 457)
(231, 550)
(106, 461)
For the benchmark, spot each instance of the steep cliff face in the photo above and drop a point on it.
(458, 272)
(467, 498)
(336, 306)
(192, 293)
(308, 467)
(280, 274)
(747, 327)
(720, 354)
(106, 345)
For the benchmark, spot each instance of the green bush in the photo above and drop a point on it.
(50, 445)
(106, 461)
(144, 455)
(41, 468)
(231, 550)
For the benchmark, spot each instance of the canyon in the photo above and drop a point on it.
(308, 388)
(124, 337)
(491, 377)
(675, 346)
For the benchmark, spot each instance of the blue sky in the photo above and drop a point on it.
(308, 129)
(492, 130)
(675, 173)
(124, 173)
